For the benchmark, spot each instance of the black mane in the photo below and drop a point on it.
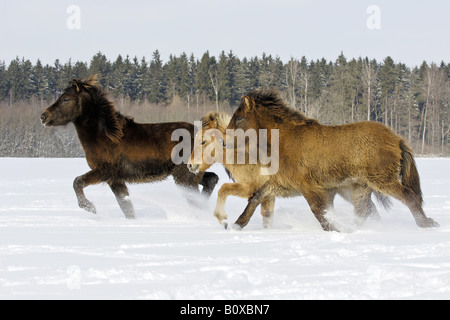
(111, 120)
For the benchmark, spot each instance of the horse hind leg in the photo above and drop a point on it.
(361, 198)
(413, 201)
(318, 202)
(120, 190)
(209, 182)
(363, 204)
(189, 183)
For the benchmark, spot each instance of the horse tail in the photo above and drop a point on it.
(383, 200)
(408, 173)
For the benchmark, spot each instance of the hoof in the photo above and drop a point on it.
(428, 223)
(88, 206)
(130, 216)
(225, 224)
(327, 226)
(267, 223)
(237, 227)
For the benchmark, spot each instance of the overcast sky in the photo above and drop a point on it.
(409, 31)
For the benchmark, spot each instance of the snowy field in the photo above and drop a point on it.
(51, 249)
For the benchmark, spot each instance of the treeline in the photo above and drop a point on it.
(413, 101)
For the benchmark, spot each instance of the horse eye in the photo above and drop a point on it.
(239, 119)
(66, 100)
(203, 143)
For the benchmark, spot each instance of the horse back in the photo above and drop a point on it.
(332, 154)
(153, 140)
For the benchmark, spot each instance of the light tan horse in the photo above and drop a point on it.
(316, 159)
(248, 178)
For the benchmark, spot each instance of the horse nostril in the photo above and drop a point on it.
(192, 168)
(44, 118)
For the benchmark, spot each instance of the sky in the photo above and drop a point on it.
(409, 31)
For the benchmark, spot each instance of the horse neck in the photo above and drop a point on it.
(89, 123)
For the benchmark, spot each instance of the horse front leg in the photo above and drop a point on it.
(318, 202)
(120, 190)
(267, 209)
(81, 182)
(259, 196)
(229, 189)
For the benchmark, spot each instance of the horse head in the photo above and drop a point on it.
(69, 106)
(208, 140)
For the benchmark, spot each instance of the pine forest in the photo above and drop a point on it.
(414, 101)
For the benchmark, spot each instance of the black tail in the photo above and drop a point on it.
(409, 174)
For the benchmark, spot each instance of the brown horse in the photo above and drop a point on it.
(117, 149)
(247, 177)
(316, 159)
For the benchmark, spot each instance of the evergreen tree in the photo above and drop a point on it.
(39, 81)
(355, 89)
(388, 77)
(339, 87)
(413, 102)
(192, 80)
(80, 70)
(183, 66)
(158, 82)
(27, 74)
(172, 71)
(304, 84)
(249, 75)
(3, 81)
(101, 66)
(126, 78)
(116, 77)
(204, 70)
(317, 84)
(277, 70)
(15, 81)
(224, 78)
(145, 79)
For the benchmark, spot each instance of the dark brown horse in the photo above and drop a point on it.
(119, 150)
(315, 159)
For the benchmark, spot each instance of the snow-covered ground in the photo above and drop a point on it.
(51, 249)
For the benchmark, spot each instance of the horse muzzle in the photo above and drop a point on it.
(45, 119)
(194, 168)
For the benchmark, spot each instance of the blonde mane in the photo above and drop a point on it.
(216, 120)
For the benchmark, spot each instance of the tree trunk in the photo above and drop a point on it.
(368, 100)
(215, 85)
(424, 128)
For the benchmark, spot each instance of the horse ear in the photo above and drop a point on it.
(248, 103)
(76, 85)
